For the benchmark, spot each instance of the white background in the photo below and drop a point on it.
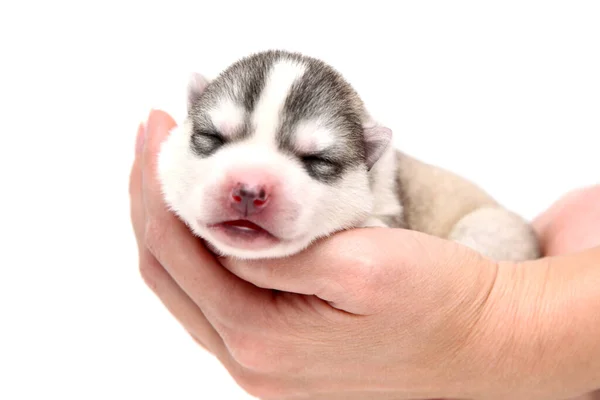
(519, 81)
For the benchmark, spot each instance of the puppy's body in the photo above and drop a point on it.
(279, 151)
(440, 203)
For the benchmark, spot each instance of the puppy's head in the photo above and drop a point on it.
(274, 153)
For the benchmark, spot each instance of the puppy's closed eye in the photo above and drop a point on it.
(320, 167)
(206, 142)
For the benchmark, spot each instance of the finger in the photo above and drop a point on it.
(331, 269)
(157, 129)
(564, 204)
(136, 206)
(544, 221)
(215, 290)
(352, 269)
(179, 304)
(572, 223)
(159, 281)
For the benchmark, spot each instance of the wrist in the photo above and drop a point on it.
(457, 363)
(502, 345)
(537, 333)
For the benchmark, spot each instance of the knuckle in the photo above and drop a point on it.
(258, 386)
(252, 353)
(149, 272)
(367, 277)
(154, 235)
(133, 183)
(131, 187)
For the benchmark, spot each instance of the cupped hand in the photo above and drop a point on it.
(367, 313)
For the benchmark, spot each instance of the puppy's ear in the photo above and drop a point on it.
(197, 83)
(377, 139)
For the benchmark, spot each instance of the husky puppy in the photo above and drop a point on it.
(279, 150)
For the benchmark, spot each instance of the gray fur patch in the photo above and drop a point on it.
(393, 221)
(242, 82)
(323, 94)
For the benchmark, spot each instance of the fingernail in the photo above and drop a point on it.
(156, 117)
(141, 135)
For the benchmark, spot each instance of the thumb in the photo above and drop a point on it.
(350, 269)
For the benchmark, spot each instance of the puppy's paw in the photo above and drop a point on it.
(498, 234)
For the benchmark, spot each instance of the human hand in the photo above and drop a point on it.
(349, 320)
(354, 323)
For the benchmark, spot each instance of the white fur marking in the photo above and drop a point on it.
(313, 136)
(227, 117)
(283, 75)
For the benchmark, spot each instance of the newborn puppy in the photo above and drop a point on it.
(279, 150)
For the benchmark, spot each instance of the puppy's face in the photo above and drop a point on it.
(274, 154)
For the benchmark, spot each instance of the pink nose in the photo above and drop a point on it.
(249, 200)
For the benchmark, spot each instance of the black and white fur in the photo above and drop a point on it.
(292, 124)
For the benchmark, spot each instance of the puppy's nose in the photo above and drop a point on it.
(249, 200)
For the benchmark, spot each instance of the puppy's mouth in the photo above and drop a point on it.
(243, 225)
(243, 234)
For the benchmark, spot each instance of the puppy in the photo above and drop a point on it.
(279, 150)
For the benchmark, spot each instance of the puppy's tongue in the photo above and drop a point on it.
(243, 224)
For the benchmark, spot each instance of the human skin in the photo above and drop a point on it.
(379, 313)
(571, 225)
